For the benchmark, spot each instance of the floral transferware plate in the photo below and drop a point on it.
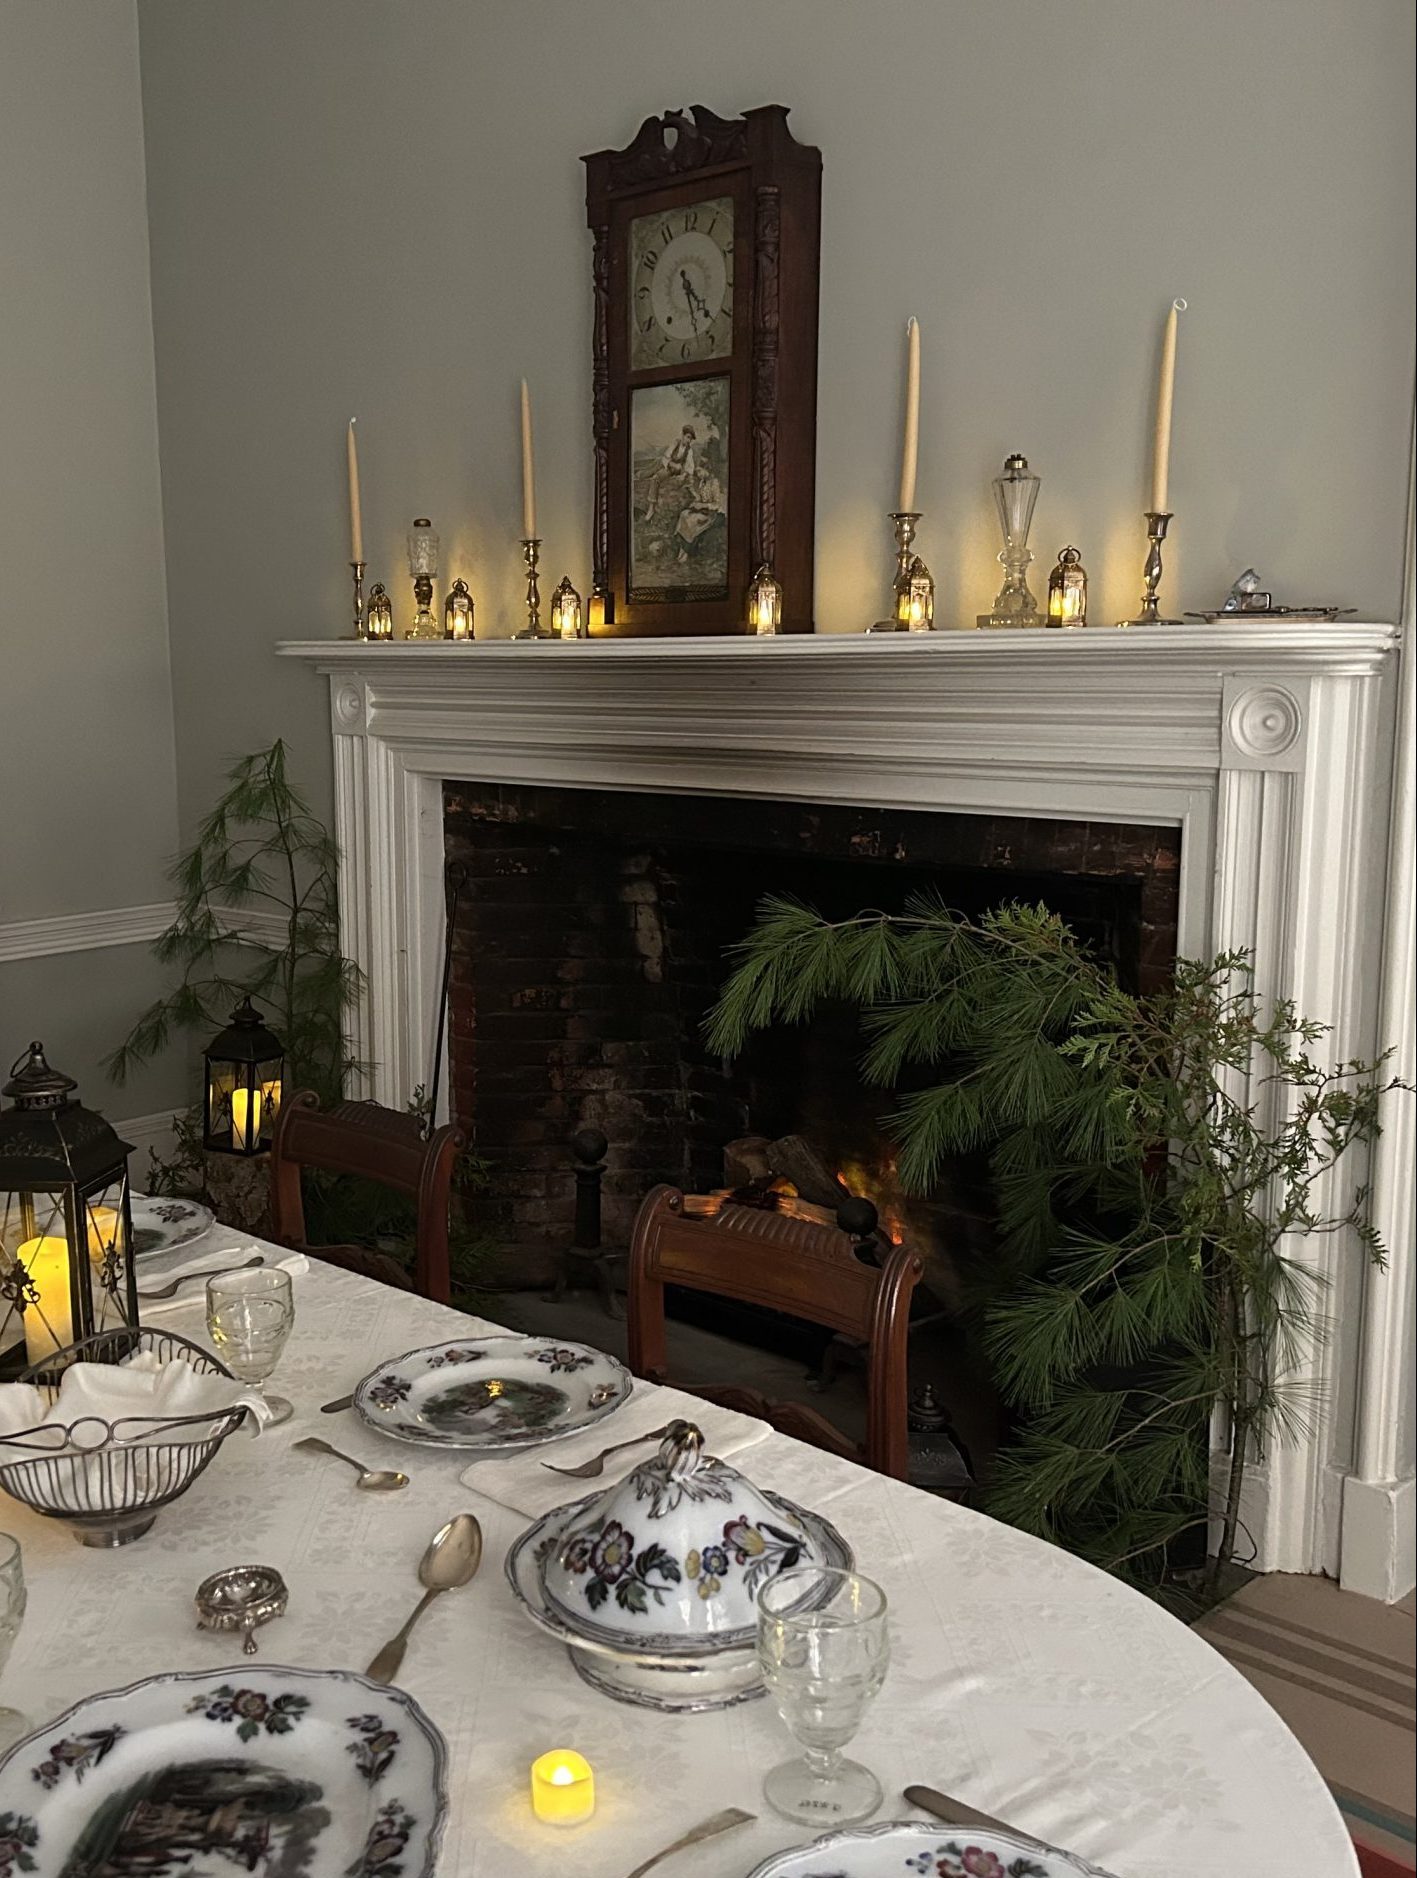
(919, 1851)
(493, 1394)
(267, 1771)
(163, 1225)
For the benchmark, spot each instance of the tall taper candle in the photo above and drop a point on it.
(1161, 461)
(906, 504)
(356, 520)
(528, 471)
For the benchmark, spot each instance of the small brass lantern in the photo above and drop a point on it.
(244, 1067)
(380, 621)
(458, 612)
(66, 1233)
(919, 595)
(1067, 591)
(765, 602)
(567, 614)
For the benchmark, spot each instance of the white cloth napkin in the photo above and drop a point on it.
(520, 1482)
(142, 1391)
(205, 1261)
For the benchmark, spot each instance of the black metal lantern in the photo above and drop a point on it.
(66, 1232)
(244, 1068)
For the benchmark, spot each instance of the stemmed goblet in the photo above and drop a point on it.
(250, 1314)
(824, 1645)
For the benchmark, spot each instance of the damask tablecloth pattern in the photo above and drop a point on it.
(1022, 1680)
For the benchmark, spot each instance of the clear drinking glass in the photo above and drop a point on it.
(250, 1314)
(824, 1645)
(13, 1726)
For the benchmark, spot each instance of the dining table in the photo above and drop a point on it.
(1022, 1681)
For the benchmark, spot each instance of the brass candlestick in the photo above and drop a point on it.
(531, 552)
(357, 569)
(1157, 523)
(904, 521)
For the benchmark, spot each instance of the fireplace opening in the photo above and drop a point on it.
(591, 942)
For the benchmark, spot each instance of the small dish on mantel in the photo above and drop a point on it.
(921, 1851)
(492, 1394)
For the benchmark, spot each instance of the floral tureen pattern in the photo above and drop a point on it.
(605, 1554)
(760, 1550)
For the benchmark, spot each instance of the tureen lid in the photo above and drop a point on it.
(672, 1558)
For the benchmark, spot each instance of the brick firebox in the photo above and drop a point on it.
(590, 944)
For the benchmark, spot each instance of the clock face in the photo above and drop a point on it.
(681, 285)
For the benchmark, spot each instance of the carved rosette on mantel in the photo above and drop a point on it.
(1268, 745)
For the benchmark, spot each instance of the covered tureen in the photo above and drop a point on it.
(653, 1583)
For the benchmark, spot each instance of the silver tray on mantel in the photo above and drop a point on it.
(248, 1769)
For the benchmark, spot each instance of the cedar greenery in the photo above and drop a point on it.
(1136, 1288)
(260, 850)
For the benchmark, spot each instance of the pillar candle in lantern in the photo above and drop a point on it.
(356, 518)
(103, 1230)
(49, 1319)
(562, 1788)
(245, 1118)
(911, 447)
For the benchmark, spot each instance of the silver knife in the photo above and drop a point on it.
(334, 1408)
(956, 1813)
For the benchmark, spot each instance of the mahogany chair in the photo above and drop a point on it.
(788, 1264)
(378, 1144)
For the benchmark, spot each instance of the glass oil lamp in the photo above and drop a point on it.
(567, 614)
(458, 612)
(1015, 493)
(379, 623)
(1067, 591)
(66, 1234)
(423, 566)
(765, 602)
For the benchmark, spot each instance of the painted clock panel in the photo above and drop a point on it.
(679, 453)
(681, 285)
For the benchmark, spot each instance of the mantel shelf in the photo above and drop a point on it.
(1341, 646)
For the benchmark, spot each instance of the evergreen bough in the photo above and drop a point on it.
(1153, 1160)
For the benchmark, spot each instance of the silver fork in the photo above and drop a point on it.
(721, 1822)
(589, 1470)
(207, 1271)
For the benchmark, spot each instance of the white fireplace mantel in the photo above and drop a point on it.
(1268, 744)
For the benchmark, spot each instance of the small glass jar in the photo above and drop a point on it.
(458, 612)
(1067, 591)
(764, 603)
(567, 614)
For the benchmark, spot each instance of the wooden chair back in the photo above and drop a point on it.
(788, 1264)
(377, 1144)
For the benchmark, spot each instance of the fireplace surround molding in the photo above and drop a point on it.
(1269, 745)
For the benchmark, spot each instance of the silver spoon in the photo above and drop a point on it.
(207, 1271)
(372, 1479)
(453, 1556)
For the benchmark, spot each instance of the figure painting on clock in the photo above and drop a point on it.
(678, 466)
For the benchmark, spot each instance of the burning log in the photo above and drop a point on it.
(754, 1160)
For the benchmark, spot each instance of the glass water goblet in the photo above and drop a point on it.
(13, 1726)
(250, 1314)
(824, 1645)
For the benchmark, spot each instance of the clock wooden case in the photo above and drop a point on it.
(706, 234)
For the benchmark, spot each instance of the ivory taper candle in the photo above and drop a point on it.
(911, 448)
(1165, 392)
(528, 471)
(356, 519)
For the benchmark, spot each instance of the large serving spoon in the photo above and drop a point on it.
(372, 1479)
(453, 1556)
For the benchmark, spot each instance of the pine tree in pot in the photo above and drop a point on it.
(1139, 1285)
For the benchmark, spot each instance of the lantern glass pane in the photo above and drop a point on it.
(34, 1231)
(108, 1232)
(268, 1075)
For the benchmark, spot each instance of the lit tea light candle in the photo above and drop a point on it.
(562, 1788)
(245, 1118)
(49, 1318)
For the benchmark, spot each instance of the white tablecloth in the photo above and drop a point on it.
(1023, 1681)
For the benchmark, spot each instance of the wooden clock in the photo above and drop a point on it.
(706, 233)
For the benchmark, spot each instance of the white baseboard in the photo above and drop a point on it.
(1379, 1557)
(143, 1132)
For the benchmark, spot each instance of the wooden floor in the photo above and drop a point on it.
(1339, 1669)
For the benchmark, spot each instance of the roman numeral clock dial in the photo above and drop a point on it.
(681, 285)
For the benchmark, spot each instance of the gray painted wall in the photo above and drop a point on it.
(87, 771)
(378, 209)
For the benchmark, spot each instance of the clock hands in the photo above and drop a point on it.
(692, 299)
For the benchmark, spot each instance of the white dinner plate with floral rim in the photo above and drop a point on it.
(492, 1394)
(255, 1769)
(923, 1851)
(163, 1225)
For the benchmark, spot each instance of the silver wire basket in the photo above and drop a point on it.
(111, 1488)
